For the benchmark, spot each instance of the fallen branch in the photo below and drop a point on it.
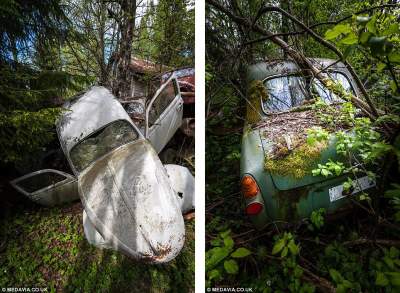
(331, 47)
(368, 108)
(363, 241)
(318, 281)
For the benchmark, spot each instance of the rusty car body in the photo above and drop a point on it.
(132, 202)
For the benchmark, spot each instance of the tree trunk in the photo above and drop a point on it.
(127, 26)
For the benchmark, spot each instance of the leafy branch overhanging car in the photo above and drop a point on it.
(132, 202)
(272, 193)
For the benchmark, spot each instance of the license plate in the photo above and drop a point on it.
(360, 184)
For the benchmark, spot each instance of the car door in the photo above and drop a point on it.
(164, 114)
(48, 187)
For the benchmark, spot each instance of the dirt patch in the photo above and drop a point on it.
(292, 124)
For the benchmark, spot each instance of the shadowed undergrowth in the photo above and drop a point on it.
(46, 247)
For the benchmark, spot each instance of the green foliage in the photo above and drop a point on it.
(362, 145)
(286, 246)
(329, 169)
(317, 219)
(23, 133)
(221, 258)
(342, 284)
(164, 39)
(377, 35)
(46, 247)
(316, 134)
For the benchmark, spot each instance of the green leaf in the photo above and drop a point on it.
(331, 34)
(316, 172)
(335, 275)
(278, 246)
(394, 28)
(380, 66)
(241, 252)
(325, 172)
(343, 28)
(394, 278)
(229, 243)
(371, 27)
(284, 252)
(337, 31)
(294, 249)
(350, 39)
(381, 280)
(341, 289)
(225, 233)
(215, 255)
(231, 266)
(364, 37)
(389, 262)
(215, 242)
(347, 284)
(394, 57)
(393, 86)
(376, 45)
(214, 274)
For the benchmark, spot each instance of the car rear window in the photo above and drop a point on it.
(286, 92)
(102, 142)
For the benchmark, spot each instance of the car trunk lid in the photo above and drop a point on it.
(298, 175)
(287, 155)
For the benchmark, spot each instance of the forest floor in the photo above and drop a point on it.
(46, 248)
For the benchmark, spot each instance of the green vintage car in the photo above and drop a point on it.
(276, 172)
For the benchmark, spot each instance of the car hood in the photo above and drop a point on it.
(129, 200)
(282, 181)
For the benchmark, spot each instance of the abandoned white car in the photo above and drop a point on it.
(132, 202)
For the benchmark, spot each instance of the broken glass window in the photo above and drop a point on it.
(286, 92)
(326, 95)
(102, 142)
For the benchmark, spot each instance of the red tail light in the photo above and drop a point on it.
(254, 208)
(249, 187)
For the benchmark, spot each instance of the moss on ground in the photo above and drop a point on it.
(46, 247)
(298, 163)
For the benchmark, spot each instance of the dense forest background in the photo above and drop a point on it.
(49, 51)
(358, 252)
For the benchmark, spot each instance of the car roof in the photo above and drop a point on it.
(262, 70)
(87, 113)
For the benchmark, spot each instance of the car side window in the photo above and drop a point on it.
(161, 103)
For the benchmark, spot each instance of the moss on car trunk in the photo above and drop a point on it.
(297, 163)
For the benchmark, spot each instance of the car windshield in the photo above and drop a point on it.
(102, 142)
(286, 92)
